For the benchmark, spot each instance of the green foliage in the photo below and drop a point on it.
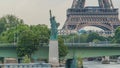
(26, 45)
(85, 38)
(8, 22)
(27, 38)
(63, 50)
(30, 39)
(12, 35)
(8, 26)
(11, 21)
(26, 59)
(93, 36)
(117, 35)
(80, 62)
(2, 25)
(82, 38)
(96, 41)
(42, 34)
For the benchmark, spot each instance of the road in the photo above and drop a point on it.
(99, 65)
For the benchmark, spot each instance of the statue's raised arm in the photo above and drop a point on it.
(54, 27)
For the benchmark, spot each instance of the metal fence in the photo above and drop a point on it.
(23, 65)
(91, 44)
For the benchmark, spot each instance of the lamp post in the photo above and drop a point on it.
(74, 64)
(16, 35)
(106, 42)
(14, 39)
(17, 38)
(73, 48)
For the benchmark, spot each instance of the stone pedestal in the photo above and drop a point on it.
(53, 53)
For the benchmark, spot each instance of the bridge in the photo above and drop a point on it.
(83, 50)
(93, 50)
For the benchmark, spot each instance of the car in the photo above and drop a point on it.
(118, 60)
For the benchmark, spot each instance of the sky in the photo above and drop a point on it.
(35, 12)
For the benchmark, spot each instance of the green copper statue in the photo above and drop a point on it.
(54, 27)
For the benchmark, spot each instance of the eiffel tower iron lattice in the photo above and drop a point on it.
(104, 16)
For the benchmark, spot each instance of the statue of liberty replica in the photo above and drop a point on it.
(53, 42)
(54, 27)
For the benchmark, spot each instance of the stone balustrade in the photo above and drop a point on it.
(24, 65)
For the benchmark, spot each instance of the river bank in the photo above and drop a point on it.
(95, 64)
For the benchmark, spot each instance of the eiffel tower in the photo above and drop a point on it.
(104, 16)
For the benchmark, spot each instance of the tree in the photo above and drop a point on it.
(117, 35)
(12, 35)
(26, 59)
(30, 38)
(26, 44)
(63, 50)
(11, 21)
(92, 36)
(82, 38)
(13, 29)
(95, 36)
(8, 26)
(76, 38)
(96, 41)
(26, 37)
(42, 34)
(2, 25)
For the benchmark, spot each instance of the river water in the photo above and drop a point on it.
(92, 64)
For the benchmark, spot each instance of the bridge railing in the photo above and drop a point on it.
(23, 65)
(80, 44)
(92, 45)
(15, 44)
(67, 44)
(8, 44)
(114, 45)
